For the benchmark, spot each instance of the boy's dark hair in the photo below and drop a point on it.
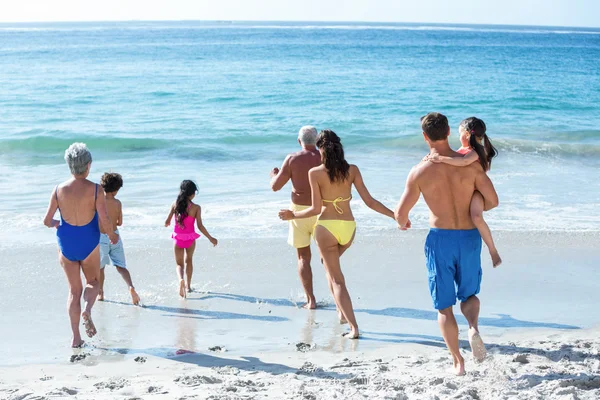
(111, 182)
(435, 126)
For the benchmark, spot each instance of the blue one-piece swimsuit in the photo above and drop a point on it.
(76, 243)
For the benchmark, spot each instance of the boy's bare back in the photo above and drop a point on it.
(115, 212)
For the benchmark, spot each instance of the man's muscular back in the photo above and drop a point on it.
(448, 190)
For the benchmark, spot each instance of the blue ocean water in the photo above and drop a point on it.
(221, 103)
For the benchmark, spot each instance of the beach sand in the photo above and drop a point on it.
(539, 318)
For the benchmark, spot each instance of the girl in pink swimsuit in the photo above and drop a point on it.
(476, 146)
(184, 235)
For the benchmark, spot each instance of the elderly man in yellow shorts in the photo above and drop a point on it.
(296, 167)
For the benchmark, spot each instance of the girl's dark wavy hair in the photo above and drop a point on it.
(186, 189)
(333, 155)
(479, 141)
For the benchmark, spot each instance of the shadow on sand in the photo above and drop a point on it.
(250, 364)
(502, 321)
(204, 314)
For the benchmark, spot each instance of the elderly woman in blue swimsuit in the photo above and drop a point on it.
(82, 206)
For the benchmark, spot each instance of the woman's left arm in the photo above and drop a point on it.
(317, 201)
(49, 220)
(370, 202)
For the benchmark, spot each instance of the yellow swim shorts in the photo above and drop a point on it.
(301, 230)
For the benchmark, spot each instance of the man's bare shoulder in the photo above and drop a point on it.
(420, 169)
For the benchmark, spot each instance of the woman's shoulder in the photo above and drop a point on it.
(319, 169)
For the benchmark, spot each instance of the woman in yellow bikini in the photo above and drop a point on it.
(331, 187)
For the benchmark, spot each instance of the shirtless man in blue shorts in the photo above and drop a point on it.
(453, 246)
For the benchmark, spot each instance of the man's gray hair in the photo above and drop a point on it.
(308, 135)
(78, 157)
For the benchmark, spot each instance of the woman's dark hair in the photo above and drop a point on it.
(333, 155)
(186, 189)
(479, 141)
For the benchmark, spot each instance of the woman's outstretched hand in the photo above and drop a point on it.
(406, 226)
(286, 215)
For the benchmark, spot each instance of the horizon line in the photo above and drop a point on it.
(298, 21)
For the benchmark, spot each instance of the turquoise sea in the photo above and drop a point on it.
(221, 103)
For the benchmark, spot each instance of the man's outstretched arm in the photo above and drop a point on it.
(279, 177)
(411, 195)
(484, 185)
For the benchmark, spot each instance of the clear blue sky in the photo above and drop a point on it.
(517, 12)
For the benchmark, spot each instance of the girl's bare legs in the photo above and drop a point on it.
(91, 270)
(189, 266)
(72, 273)
(330, 252)
(477, 206)
(179, 256)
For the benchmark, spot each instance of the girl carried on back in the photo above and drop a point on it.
(184, 235)
(476, 146)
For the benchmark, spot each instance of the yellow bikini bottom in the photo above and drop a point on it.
(341, 230)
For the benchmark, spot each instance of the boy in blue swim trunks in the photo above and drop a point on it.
(111, 183)
(453, 246)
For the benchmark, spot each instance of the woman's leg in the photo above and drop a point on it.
(73, 275)
(189, 266)
(91, 270)
(477, 206)
(179, 255)
(330, 252)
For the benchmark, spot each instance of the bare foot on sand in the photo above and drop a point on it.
(496, 260)
(88, 324)
(341, 318)
(477, 346)
(135, 299)
(77, 344)
(353, 334)
(311, 304)
(189, 289)
(101, 295)
(458, 370)
(182, 291)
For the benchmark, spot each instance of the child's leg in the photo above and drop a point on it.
(189, 266)
(101, 292)
(179, 254)
(477, 206)
(127, 278)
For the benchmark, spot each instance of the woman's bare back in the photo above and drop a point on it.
(331, 191)
(77, 201)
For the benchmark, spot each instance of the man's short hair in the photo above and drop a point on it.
(111, 182)
(435, 126)
(308, 135)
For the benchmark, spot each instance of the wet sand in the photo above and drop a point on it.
(542, 301)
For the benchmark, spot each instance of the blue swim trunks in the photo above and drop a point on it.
(453, 264)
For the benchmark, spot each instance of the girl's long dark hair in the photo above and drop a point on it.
(186, 189)
(333, 155)
(479, 141)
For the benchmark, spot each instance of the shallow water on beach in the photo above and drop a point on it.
(247, 299)
(221, 104)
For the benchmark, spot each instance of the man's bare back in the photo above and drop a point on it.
(448, 190)
(296, 167)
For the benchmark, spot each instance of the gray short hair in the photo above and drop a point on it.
(308, 135)
(78, 158)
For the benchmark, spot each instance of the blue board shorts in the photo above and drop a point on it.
(111, 252)
(453, 264)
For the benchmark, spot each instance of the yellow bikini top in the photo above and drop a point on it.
(335, 203)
